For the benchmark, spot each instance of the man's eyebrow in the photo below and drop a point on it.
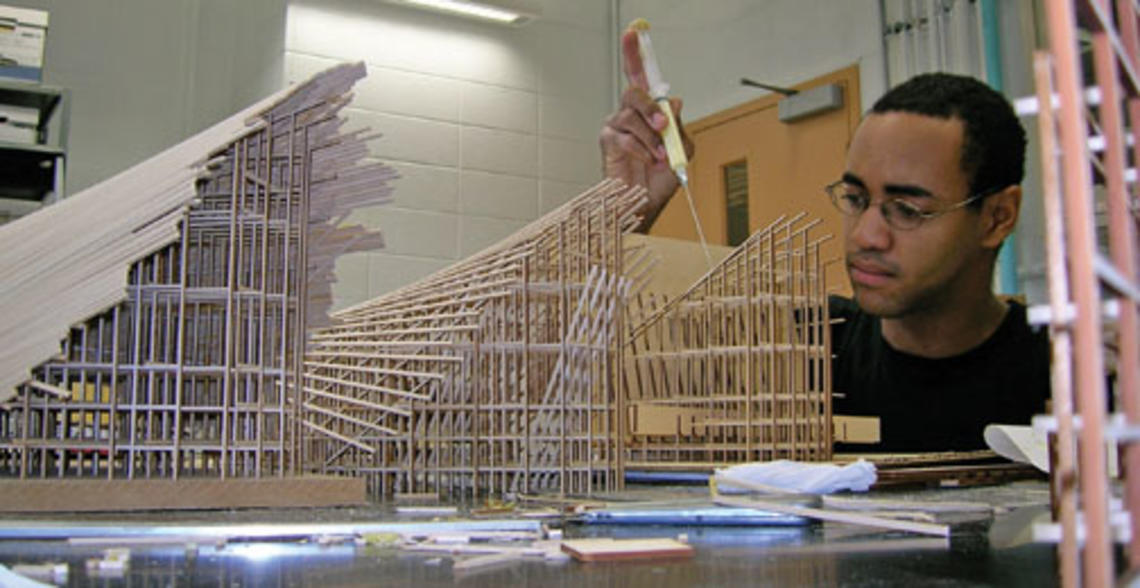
(892, 189)
(907, 190)
(850, 178)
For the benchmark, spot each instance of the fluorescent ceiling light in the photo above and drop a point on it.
(468, 9)
(498, 11)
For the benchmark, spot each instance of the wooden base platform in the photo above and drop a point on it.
(64, 495)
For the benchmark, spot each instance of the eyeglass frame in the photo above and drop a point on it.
(921, 215)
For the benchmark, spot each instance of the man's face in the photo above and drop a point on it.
(895, 273)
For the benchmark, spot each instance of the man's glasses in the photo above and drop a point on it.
(899, 214)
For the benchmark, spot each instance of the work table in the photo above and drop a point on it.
(979, 551)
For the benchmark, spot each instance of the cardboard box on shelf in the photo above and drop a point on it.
(18, 124)
(22, 35)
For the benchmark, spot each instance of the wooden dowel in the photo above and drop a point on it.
(357, 401)
(833, 516)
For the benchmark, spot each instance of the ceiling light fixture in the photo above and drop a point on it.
(513, 12)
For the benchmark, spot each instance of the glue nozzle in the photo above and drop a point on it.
(659, 91)
(671, 134)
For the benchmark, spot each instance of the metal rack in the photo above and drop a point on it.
(35, 171)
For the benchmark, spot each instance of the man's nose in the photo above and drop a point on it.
(869, 230)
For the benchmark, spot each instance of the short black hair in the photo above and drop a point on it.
(993, 148)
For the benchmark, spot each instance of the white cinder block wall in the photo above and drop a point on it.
(145, 75)
(489, 126)
(493, 126)
(706, 47)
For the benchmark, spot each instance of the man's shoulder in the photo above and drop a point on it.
(1016, 324)
(1018, 339)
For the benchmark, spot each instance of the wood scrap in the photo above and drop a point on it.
(488, 512)
(847, 545)
(836, 516)
(877, 504)
(608, 549)
(856, 429)
(415, 497)
(954, 476)
(471, 549)
(481, 562)
(889, 460)
(427, 511)
(94, 495)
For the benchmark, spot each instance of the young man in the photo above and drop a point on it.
(930, 191)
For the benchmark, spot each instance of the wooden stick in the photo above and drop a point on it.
(837, 516)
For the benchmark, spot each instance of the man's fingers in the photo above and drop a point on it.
(629, 121)
(638, 100)
(631, 58)
(628, 145)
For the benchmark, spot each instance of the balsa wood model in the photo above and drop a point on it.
(171, 323)
(154, 324)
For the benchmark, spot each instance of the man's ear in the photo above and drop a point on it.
(999, 216)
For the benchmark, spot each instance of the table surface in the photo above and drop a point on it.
(979, 553)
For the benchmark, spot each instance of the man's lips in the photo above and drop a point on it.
(867, 272)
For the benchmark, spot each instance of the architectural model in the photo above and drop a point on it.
(499, 374)
(154, 324)
(171, 323)
(1094, 292)
(736, 369)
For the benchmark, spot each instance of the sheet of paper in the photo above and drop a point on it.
(1019, 443)
(1025, 444)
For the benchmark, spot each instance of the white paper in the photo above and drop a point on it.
(1019, 443)
(1025, 444)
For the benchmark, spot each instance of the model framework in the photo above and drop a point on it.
(1093, 283)
(181, 290)
(186, 337)
(737, 369)
(499, 374)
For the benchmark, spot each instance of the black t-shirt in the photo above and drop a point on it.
(937, 404)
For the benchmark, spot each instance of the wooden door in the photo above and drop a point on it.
(787, 165)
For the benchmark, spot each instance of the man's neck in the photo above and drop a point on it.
(945, 334)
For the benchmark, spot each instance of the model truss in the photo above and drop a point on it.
(227, 258)
(737, 369)
(499, 374)
(200, 348)
(1092, 282)
(516, 371)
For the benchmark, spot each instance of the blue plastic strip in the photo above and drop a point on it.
(645, 477)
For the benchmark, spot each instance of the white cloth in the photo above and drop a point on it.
(11, 579)
(811, 478)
